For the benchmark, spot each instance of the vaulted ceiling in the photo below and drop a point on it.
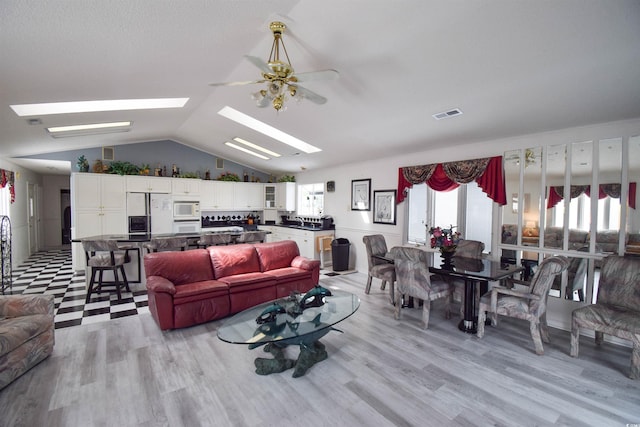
(511, 67)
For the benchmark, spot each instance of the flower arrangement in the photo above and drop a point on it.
(444, 238)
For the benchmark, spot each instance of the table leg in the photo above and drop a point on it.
(469, 323)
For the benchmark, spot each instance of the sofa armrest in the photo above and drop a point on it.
(159, 284)
(24, 305)
(305, 263)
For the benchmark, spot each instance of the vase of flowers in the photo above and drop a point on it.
(446, 240)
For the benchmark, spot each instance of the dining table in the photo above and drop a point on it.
(475, 273)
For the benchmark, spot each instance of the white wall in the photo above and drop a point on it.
(18, 213)
(353, 225)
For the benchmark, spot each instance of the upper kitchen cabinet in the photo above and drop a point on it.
(98, 192)
(248, 195)
(217, 195)
(286, 196)
(270, 196)
(148, 184)
(186, 187)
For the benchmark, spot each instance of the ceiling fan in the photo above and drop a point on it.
(281, 79)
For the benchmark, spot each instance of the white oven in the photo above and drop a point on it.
(183, 210)
(187, 226)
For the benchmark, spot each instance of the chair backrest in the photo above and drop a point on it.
(620, 282)
(214, 239)
(91, 246)
(252, 236)
(543, 279)
(412, 269)
(375, 245)
(469, 249)
(158, 244)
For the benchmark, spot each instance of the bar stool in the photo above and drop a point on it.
(252, 237)
(105, 255)
(324, 245)
(162, 244)
(214, 239)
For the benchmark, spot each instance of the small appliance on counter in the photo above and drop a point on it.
(327, 222)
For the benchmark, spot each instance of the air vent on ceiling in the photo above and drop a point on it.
(447, 114)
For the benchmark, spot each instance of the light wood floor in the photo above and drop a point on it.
(380, 372)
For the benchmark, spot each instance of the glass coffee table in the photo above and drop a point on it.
(300, 319)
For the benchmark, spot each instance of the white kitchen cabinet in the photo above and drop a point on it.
(305, 239)
(286, 196)
(217, 195)
(270, 196)
(147, 184)
(186, 187)
(98, 206)
(248, 196)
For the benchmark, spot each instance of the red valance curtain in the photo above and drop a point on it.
(556, 193)
(8, 177)
(487, 172)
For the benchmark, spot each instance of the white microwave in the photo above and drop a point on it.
(186, 210)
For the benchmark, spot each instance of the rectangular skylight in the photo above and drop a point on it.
(256, 147)
(93, 106)
(246, 150)
(73, 128)
(265, 129)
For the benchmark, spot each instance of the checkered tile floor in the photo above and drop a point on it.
(51, 272)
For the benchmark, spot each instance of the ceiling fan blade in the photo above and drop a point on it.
(263, 66)
(237, 83)
(310, 95)
(317, 75)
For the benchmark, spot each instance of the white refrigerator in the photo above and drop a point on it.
(156, 207)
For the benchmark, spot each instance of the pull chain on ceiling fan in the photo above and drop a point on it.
(279, 75)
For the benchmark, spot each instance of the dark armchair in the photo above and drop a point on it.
(617, 310)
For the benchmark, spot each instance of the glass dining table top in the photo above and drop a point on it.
(482, 269)
(289, 322)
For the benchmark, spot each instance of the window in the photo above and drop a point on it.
(5, 200)
(466, 207)
(311, 199)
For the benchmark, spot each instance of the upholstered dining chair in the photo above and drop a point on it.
(530, 304)
(214, 239)
(617, 308)
(413, 279)
(161, 244)
(379, 268)
(101, 256)
(252, 237)
(466, 250)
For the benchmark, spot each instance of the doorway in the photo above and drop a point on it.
(65, 214)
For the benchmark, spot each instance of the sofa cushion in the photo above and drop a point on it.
(245, 281)
(233, 260)
(290, 273)
(274, 255)
(15, 331)
(213, 287)
(171, 265)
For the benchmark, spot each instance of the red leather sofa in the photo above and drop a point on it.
(187, 288)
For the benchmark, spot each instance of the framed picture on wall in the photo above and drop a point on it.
(361, 195)
(384, 207)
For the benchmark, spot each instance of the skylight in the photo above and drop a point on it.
(93, 106)
(268, 130)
